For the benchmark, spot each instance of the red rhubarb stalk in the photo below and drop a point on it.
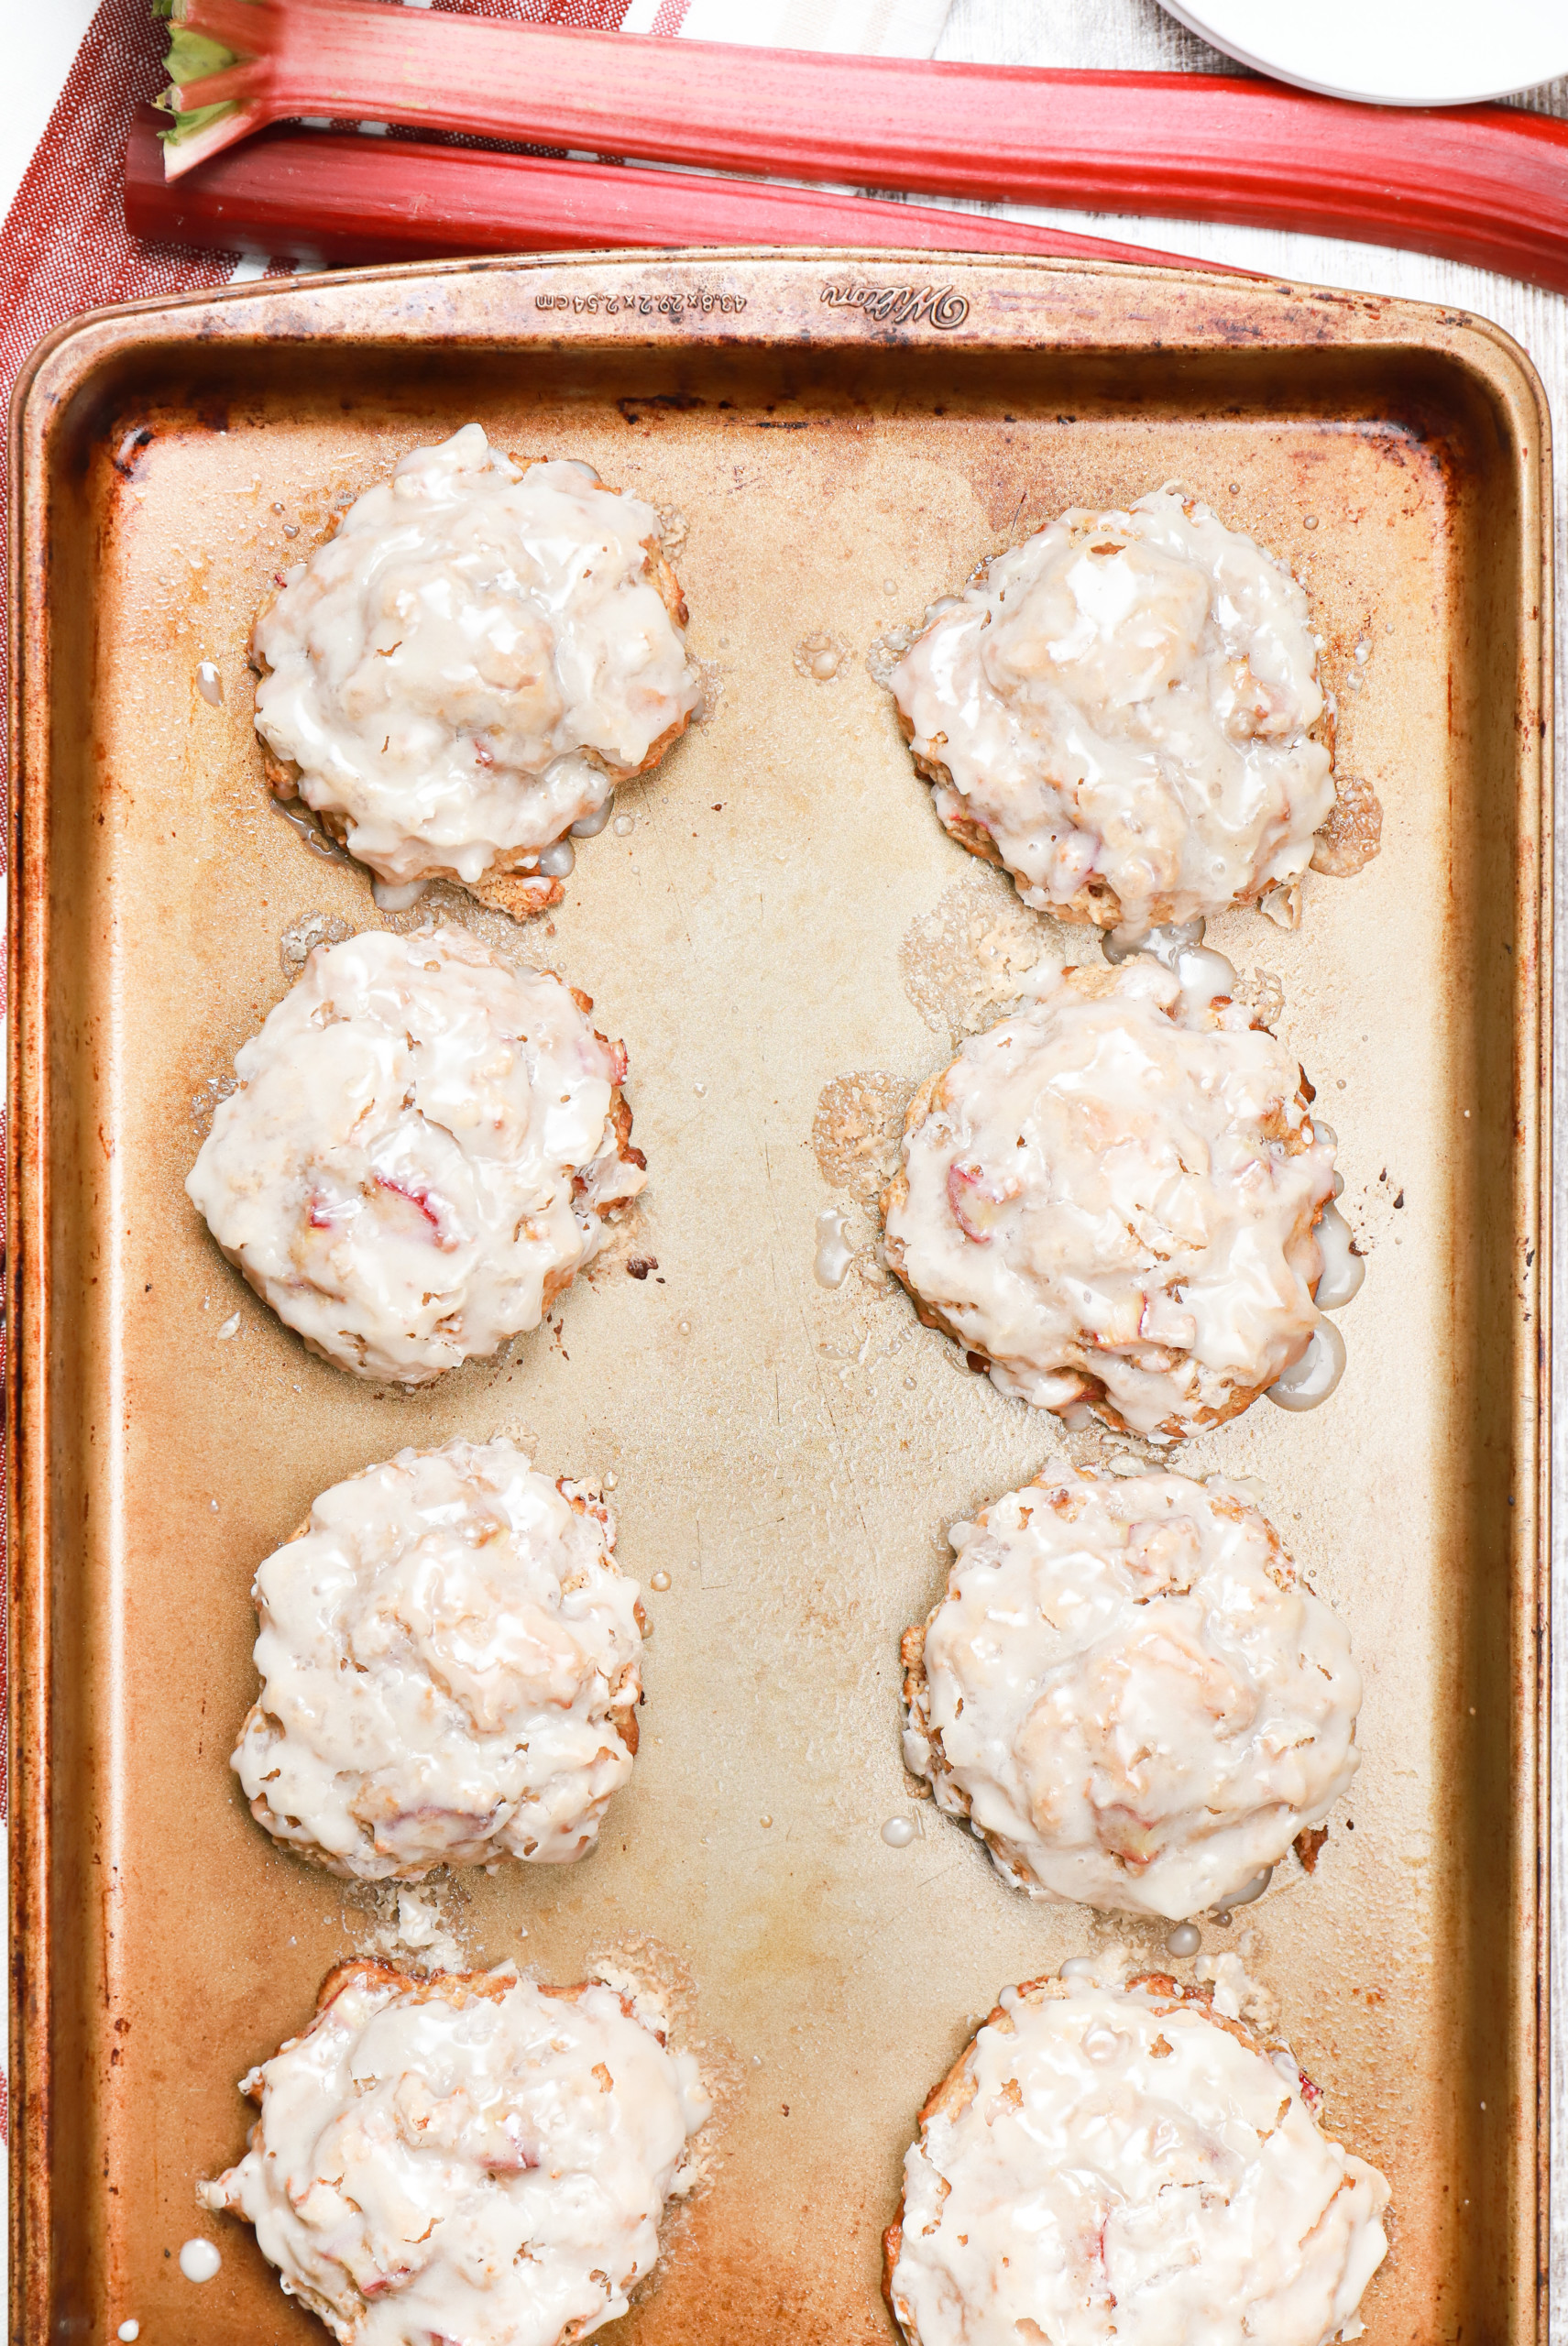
(311, 196)
(1484, 184)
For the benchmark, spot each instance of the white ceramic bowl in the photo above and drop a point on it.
(1391, 52)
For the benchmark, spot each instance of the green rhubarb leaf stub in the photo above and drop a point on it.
(191, 57)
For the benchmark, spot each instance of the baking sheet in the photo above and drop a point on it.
(842, 443)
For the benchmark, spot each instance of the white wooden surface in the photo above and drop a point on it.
(39, 45)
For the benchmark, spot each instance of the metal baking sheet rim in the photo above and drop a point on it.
(861, 295)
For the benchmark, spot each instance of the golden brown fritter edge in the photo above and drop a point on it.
(952, 2094)
(471, 1986)
(505, 888)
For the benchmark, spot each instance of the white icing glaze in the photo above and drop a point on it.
(417, 1156)
(1308, 1382)
(592, 825)
(1235, 1994)
(1111, 2164)
(1248, 1894)
(1129, 1693)
(448, 1655)
(834, 1251)
(1120, 705)
(1201, 973)
(466, 669)
(1344, 1268)
(415, 1933)
(472, 2159)
(401, 898)
(1111, 1197)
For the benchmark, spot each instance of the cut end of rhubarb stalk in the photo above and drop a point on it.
(196, 131)
(199, 132)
